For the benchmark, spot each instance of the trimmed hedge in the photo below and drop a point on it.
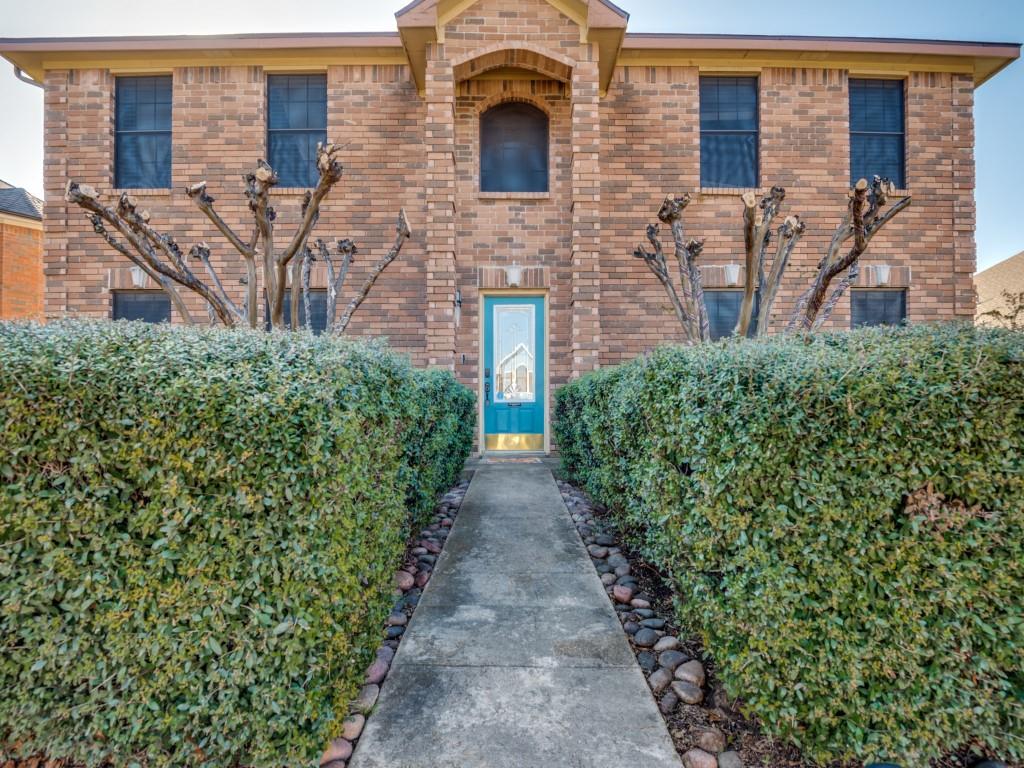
(198, 535)
(843, 520)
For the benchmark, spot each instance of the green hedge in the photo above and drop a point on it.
(198, 535)
(770, 481)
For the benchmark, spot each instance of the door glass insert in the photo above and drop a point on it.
(515, 351)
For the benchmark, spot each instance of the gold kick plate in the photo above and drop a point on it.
(514, 442)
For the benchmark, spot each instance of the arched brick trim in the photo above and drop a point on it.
(503, 98)
(526, 56)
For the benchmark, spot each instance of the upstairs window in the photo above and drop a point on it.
(296, 123)
(870, 307)
(728, 132)
(724, 312)
(147, 306)
(877, 133)
(142, 132)
(514, 149)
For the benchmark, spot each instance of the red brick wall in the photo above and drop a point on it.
(21, 272)
(651, 148)
(403, 148)
(218, 132)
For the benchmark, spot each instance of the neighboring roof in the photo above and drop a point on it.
(19, 202)
(1007, 275)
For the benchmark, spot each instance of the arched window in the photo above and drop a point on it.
(514, 149)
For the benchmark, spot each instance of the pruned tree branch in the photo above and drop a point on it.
(162, 259)
(307, 268)
(133, 228)
(863, 220)
(788, 235)
(204, 201)
(757, 230)
(656, 263)
(402, 233)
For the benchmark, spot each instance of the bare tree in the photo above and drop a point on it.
(160, 257)
(863, 220)
(688, 302)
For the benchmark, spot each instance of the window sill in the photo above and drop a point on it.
(290, 190)
(141, 192)
(514, 195)
(729, 191)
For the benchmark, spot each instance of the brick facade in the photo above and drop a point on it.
(618, 144)
(21, 269)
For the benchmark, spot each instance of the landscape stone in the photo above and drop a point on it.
(366, 699)
(645, 637)
(691, 672)
(339, 749)
(687, 692)
(648, 661)
(668, 703)
(667, 643)
(352, 726)
(698, 758)
(671, 659)
(711, 740)
(377, 671)
(659, 680)
(730, 760)
(404, 580)
(622, 594)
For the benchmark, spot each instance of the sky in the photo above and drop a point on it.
(999, 104)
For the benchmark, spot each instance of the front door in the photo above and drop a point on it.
(513, 368)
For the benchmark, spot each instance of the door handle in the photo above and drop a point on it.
(487, 386)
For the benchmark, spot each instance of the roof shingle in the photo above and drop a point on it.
(19, 202)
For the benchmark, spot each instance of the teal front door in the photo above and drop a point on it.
(513, 368)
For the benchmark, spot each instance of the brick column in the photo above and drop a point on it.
(964, 246)
(586, 224)
(55, 212)
(439, 140)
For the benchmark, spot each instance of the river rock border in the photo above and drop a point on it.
(676, 678)
(418, 565)
(690, 700)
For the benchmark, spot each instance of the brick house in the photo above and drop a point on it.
(531, 141)
(21, 254)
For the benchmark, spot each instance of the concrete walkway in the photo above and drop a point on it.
(514, 657)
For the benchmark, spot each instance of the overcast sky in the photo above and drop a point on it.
(999, 103)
